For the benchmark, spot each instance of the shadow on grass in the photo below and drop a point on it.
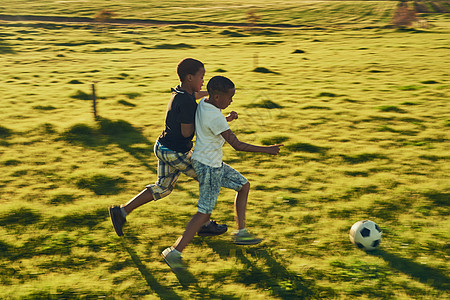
(186, 279)
(162, 291)
(277, 278)
(6, 48)
(422, 273)
(89, 219)
(5, 132)
(305, 147)
(121, 133)
(102, 184)
(126, 137)
(20, 217)
(362, 158)
(439, 198)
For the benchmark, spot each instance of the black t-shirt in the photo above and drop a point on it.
(181, 109)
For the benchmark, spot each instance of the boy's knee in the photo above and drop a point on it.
(245, 187)
(158, 192)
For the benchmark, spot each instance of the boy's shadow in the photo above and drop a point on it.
(280, 281)
(128, 138)
(107, 132)
(423, 273)
(185, 278)
(120, 133)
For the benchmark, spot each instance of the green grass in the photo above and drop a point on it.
(364, 116)
(303, 14)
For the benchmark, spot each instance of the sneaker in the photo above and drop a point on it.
(245, 238)
(173, 259)
(212, 229)
(117, 219)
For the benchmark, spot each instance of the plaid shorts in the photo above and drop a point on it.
(210, 181)
(170, 165)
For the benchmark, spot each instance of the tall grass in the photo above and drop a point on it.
(363, 114)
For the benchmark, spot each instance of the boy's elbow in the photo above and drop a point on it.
(239, 146)
(187, 130)
(236, 148)
(187, 134)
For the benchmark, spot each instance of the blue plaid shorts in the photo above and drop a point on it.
(170, 165)
(210, 181)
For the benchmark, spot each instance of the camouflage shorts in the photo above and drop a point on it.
(210, 181)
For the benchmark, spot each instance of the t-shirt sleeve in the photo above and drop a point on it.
(219, 124)
(187, 112)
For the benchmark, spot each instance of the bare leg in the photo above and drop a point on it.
(192, 228)
(140, 199)
(240, 205)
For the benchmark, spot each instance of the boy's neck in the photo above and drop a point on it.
(211, 101)
(187, 88)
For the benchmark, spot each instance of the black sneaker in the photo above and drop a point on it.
(212, 229)
(117, 219)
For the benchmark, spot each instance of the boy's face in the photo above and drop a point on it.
(223, 100)
(196, 80)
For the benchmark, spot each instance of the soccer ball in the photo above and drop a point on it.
(365, 235)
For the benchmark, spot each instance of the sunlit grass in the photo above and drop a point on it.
(363, 115)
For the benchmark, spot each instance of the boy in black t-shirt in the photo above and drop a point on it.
(173, 146)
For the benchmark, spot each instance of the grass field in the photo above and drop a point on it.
(363, 109)
(305, 13)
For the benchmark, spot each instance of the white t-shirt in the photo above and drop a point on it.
(209, 124)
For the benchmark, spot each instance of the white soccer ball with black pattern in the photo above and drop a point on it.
(366, 235)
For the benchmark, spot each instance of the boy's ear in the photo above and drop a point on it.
(189, 77)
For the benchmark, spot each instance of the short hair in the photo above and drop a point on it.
(188, 66)
(219, 84)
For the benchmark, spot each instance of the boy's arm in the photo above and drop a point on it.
(231, 138)
(201, 94)
(187, 129)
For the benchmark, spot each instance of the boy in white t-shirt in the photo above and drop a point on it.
(212, 131)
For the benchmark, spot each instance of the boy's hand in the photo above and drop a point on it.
(201, 94)
(274, 149)
(231, 116)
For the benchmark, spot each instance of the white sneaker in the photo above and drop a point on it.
(173, 259)
(245, 238)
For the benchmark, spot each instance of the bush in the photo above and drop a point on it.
(104, 16)
(404, 16)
